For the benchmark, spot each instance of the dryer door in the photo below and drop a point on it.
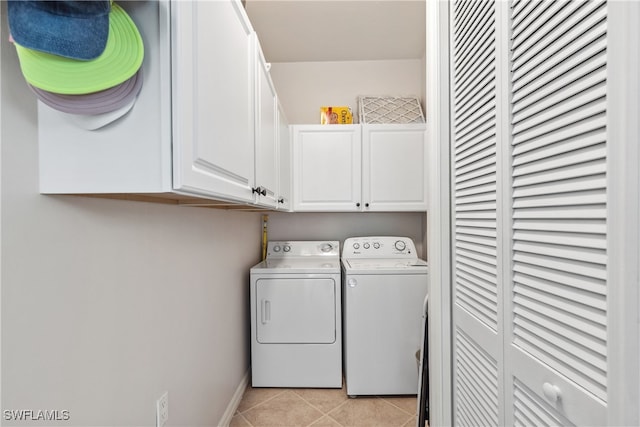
(296, 310)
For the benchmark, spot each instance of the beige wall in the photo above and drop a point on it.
(303, 87)
(106, 304)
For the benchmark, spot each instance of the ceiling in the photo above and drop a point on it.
(339, 30)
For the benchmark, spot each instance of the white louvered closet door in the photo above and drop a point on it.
(529, 177)
(557, 343)
(477, 340)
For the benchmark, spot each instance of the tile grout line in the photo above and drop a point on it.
(264, 401)
(318, 408)
(246, 420)
(305, 401)
(402, 409)
(332, 418)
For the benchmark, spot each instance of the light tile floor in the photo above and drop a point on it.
(280, 407)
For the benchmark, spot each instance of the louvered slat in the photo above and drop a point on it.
(566, 115)
(544, 147)
(593, 306)
(557, 200)
(546, 13)
(465, 26)
(568, 252)
(563, 42)
(529, 84)
(485, 143)
(564, 182)
(536, 26)
(476, 384)
(476, 177)
(574, 212)
(480, 160)
(483, 132)
(578, 281)
(522, 9)
(572, 89)
(477, 38)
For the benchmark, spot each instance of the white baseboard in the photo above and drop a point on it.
(235, 401)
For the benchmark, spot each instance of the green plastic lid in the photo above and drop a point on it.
(121, 59)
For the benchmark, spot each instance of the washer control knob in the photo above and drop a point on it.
(326, 247)
(352, 282)
(366, 246)
(400, 245)
(276, 248)
(356, 246)
(376, 245)
(286, 248)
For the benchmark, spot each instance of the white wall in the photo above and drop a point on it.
(304, 87)
(106, 304)
(339, 226)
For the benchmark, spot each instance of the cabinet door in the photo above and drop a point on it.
(284, 159)
(393, 167)
(213, 99)
(327, 168)
(266, 132)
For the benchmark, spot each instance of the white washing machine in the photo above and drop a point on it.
(296, 325)
(384, 289)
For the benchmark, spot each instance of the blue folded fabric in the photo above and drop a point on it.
(73, 29)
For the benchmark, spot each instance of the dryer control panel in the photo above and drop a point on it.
(379, 247)
(290, 249)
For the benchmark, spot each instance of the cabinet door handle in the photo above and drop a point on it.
(260, 190)
(281, 200)
(358, 204)
(366, 205)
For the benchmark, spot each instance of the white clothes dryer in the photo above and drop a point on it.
(296, 324)
(384, 287)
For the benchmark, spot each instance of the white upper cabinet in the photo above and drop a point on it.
(359, 168)
(133, 153)
(326, 168)
(284, 159)
(204, 125)
(393, 167)
(213, 99)
(266, 160)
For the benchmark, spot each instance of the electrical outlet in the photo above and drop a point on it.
(162, 410)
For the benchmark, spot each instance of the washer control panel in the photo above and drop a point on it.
(379, 247)
(286, 249)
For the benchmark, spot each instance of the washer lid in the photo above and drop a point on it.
(385, 266)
